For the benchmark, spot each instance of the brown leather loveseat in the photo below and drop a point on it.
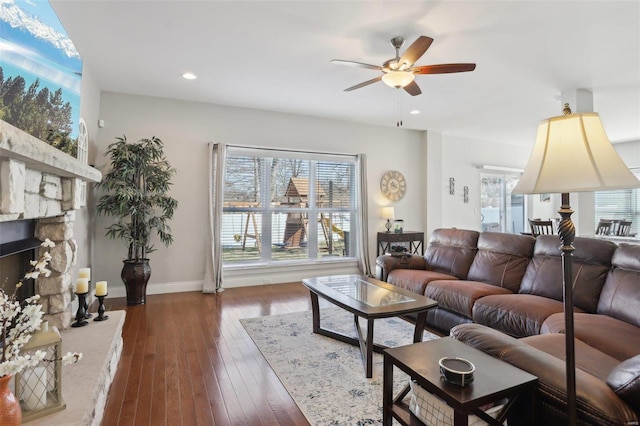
(503, 294)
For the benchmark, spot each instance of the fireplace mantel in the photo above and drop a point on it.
(38, 155)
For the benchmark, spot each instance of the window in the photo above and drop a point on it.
(619, 204)
(500, 210)
(285, 206)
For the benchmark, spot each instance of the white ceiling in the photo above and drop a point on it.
(276, 56)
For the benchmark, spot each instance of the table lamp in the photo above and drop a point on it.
(388, 213)
(572, 153)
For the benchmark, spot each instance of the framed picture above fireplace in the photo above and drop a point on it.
(41, 73)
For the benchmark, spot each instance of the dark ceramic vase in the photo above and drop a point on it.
(135, 275)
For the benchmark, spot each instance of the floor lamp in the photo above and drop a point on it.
(572, 154)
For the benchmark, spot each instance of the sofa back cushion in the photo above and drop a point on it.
(620, 297)
(591, 263)
(451, 251)
(502, 259)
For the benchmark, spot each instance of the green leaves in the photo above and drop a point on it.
(135, 194)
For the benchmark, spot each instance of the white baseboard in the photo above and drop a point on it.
(248, 277)
(160, 288)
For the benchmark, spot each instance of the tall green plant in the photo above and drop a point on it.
(136, 195)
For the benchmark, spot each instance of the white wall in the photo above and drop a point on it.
(462, 159)
(187, 127)
(84, 224)
(629, 152)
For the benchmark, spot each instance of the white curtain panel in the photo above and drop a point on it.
(213, 267)
(363, 224)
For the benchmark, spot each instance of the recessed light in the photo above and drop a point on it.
(189, 76)
(414, 112)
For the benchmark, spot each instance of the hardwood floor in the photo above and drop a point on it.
(187, 360)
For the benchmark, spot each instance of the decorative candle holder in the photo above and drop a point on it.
(87, 315)
(101, 316)
(80, 314)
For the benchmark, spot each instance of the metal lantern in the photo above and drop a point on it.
(39, 388)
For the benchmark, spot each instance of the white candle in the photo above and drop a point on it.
(84, 273)
(35, 392)
(82, 285)
(101, 288)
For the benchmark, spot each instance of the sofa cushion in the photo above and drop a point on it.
(603, 332)
(625, 381)
(590, 265)
(442, 320)
(460, 295)
(587, 357)
(415, 280)
(502, 259)
(596, 402)
(451, 251)
(620, 297)
(518, 315)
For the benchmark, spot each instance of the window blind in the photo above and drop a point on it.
(619, 204)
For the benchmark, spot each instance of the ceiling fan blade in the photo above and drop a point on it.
(416, 50)
(413, 89)
(356, 64)
(366, 83)
(443, 68)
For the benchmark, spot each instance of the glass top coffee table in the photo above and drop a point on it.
(366, 298)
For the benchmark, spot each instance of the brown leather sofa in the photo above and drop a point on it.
(503, 294)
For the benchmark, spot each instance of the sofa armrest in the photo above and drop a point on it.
(597, 403)
(625, 381)
(387, 263)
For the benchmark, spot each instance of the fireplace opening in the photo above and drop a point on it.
(18, 247)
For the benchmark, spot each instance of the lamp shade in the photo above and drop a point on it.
(572, 153)
(388, 213)
(398, 79)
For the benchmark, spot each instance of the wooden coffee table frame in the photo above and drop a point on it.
(494, 380)
(420, 305)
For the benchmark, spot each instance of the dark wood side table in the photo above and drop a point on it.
(415, 240)
(494, 380)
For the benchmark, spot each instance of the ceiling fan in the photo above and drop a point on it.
(400, 72)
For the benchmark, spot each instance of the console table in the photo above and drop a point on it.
(387, 239)
(494, 380)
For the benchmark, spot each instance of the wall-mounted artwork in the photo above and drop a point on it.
(40, 73)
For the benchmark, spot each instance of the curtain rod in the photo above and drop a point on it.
(262, 148)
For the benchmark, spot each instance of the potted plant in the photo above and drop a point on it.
(135, 193)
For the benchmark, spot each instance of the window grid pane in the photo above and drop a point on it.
(268, 201)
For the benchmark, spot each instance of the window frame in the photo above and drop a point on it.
(267, 210)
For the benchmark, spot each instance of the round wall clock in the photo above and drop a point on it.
(393, 185)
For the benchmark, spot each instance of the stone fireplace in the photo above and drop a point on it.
(41, 183)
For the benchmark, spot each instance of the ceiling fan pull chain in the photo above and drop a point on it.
(399, 121)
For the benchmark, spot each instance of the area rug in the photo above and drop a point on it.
(325, 377)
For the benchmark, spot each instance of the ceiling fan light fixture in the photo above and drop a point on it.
(398, 79)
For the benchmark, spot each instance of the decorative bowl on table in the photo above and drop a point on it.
(457, 371)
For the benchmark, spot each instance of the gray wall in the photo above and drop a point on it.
(427, 159)
(187, 127)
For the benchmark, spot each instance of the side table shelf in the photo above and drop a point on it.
(386, 239)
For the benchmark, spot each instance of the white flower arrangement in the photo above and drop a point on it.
(18, 323)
